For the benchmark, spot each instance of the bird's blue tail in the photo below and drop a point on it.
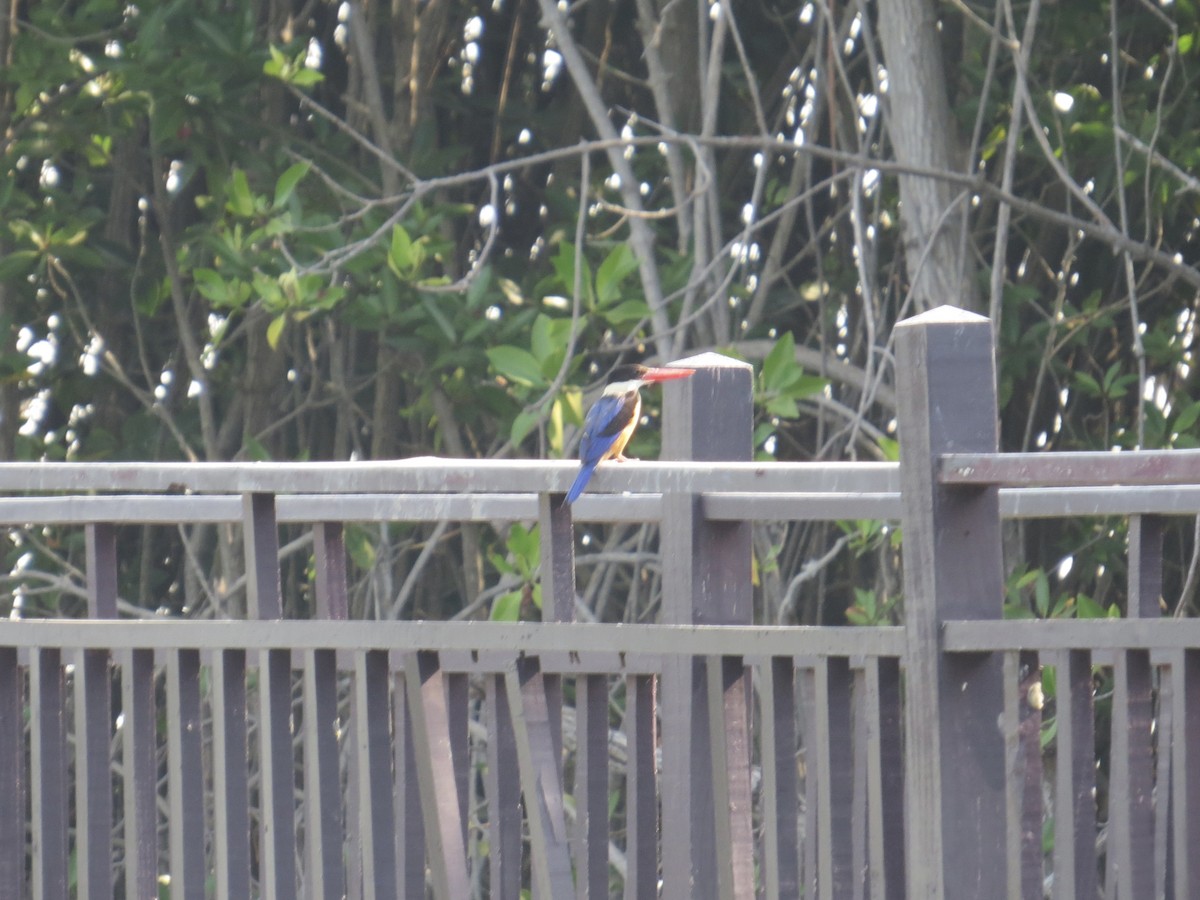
(581, 480)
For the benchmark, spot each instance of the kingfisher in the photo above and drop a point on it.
(610, 422)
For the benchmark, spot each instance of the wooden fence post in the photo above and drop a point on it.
(955, 767)
(706, 581)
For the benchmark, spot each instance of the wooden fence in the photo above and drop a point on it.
(264, 757)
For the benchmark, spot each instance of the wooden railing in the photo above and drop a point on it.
(273, 757)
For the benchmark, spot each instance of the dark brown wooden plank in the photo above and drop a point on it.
(329, 562)
(410, 829)
(1131, 787)
(100, 541)
(541, 780)
(729, 735)
(641, 803)
(885, 778)
(325, 876)
(277, 795)
(48, 773)
(231, 795)
(12, 774)
(591, 787)
(706, 580)
(1145, 566)
(140, 771)
(185, 781)
(93, 775)
(1185, 771)
(1022, 731)
(955, 765)
(781, 838)
(440, 803)
(835, 765)
(261, 539)
(372, 732)
(503, 787)
(1075, 779)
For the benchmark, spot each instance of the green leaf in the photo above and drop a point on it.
(285, 186)
(619, 263)
(516, 365)
(241, 199)
(275, 330)
(1187, 417)
(255, 450)
(778, 363)
(522, 425)
(506, 607)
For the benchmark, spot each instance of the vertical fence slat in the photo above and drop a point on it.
(591, 787)
(1165, 725)
(410, 829)
(836, 777)
(93, 724)
(48, 772)
(955, 765)
(885, 778)
(93, 775)
(186, 775)
(859, 810)
(781, 841)
(458, 710)
(373, 738)
(729, 735)
(277, 792)
(277, 775)
(140, 771)
(541, 780)
(1131, 795)
(1075, 779)
(329, 565)
(706, 580)
(1185, 769)
(812, 776)
(641, 804)
(231, 795)
(12, 774)
(322, 780)
(503, 786)
(1022, 732)
(440, 802)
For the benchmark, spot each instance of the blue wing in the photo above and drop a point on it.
(601, 428)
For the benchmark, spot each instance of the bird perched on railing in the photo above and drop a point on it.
(610, 422)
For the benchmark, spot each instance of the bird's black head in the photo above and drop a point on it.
(627, 372)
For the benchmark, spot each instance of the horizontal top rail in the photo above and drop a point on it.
(973, 636)
(524, 637)
(172, 509)
(430, 474)
(1128, 467)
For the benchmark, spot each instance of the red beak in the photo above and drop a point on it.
(652, 375)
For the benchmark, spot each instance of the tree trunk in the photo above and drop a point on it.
(933, 213)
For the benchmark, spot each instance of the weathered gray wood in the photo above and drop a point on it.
(729, 737)
(185, 782)
(12, 774)
(277, 775)
(1022, 733)
(706, 580)
(1145, 567)
(429, 474)
(641, 802)
(140, 771)
(885, 778)
(964, 636)
(93, 775)
(960, 465)
(48, 773)
(646, 642)
(955, 766)
(231, 796)
(325, 876)
(261, 540)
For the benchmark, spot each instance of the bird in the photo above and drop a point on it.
(610, 422)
